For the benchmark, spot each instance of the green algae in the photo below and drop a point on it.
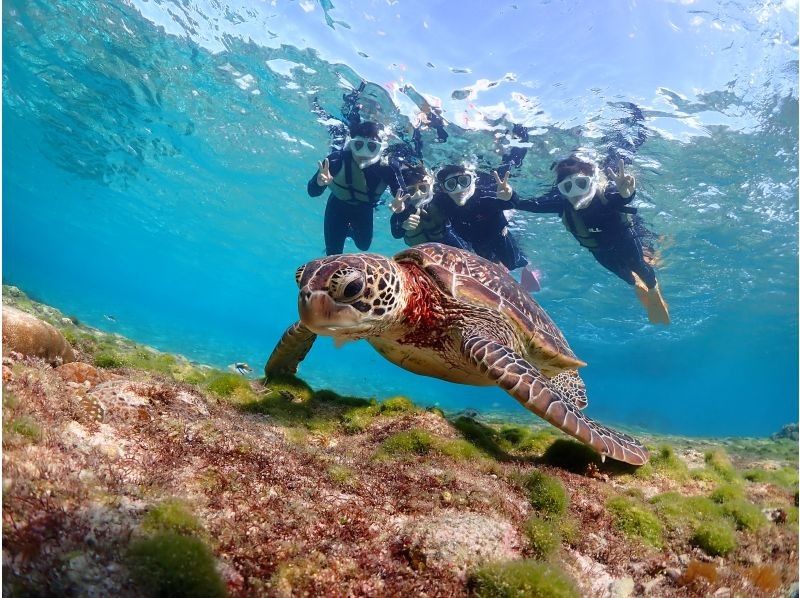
(342, 475)
(397, 405)
(634, 519)
(716, 538)
(665, 462)
(482, 436)
(460, 449)
(685, 513)
(172, 564)
(109, 360)
(546, 494)
(719, 462)
(24, 426)
(525, 578)
(225, 385)
(745, 515)
(358, 419)
(785, 477)
(407, 443)
(727, 493)
(171, 516)
(544, 536)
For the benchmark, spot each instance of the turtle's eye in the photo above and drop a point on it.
(298, 274)
(347, 285)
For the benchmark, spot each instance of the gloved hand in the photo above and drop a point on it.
(324, 177)
(625, 183)
(504, 190)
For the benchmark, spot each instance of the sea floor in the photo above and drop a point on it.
(132, 472)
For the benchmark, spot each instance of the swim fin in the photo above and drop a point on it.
(641, 290)
(529, 280)
(657, 311)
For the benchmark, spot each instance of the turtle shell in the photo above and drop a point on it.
(471, 278)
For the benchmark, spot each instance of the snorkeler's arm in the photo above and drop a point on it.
(397, 220)
(550, 203)
(334, 166)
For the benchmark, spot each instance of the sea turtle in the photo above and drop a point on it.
(447, 313)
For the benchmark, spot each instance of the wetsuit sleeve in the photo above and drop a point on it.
(614, 199)
(334, 165)
(393, 178)
(397, 220)
(550, 203)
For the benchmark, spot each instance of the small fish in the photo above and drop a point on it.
(240, 367)
(110, 317)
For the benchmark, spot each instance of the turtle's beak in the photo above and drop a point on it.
(323, 315)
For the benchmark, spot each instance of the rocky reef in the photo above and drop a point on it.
(130, 472)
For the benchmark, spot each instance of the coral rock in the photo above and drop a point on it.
(80, 372)
(461, 540)
(31, 336)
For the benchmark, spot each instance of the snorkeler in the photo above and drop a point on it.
(475, 203)
(416, 219)
(595, 210)
(357, 179)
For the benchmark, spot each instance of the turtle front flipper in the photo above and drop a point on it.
(514, 374)
(290, 351)
(570, 385)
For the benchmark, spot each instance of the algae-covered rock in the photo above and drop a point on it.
(31, 336)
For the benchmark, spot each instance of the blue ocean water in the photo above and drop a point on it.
(155, 158)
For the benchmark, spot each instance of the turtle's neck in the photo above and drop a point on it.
(424, 313)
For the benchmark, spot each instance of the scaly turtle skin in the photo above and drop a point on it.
(447, 313)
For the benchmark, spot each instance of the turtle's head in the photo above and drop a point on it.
(349, 296)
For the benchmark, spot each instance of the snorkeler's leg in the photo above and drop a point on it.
(361, 222)
(657, 309)
(335, 226)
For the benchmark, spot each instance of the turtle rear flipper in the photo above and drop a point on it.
(514, 374)
(293, 347)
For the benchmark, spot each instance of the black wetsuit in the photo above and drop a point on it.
(604, 227)
(434, 227)
(354, 195)
(482, 224)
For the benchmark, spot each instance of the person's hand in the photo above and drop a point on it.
(625, 183)
(412, 222)
(399, 202)
(504, 190)
(324, 177)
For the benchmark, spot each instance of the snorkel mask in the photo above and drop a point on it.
(420, 192)
(460, 187)
(576, 180)
(579, 189)
(366, 151)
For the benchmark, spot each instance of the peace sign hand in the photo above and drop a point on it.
(625, 183)
(399, 202)
(324, 177)
(504, 190)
